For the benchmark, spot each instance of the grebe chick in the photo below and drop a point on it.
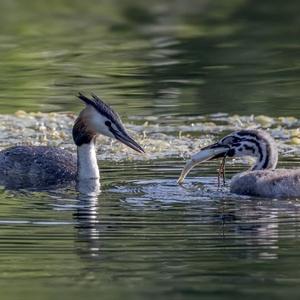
(262, 180)
(43, 166)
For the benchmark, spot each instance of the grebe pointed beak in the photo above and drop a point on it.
(124, 138)
(210, 152)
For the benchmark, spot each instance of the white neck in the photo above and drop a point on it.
(88, 189)
(87, 166)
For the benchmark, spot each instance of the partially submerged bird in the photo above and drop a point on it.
(43, 166)
(262, 179)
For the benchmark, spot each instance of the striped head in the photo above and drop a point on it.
(99, 118)
(255, 143)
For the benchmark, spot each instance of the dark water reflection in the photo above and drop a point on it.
(150, 238)
(144, 236)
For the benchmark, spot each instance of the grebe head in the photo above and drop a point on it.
(255, 143)
(99, 118)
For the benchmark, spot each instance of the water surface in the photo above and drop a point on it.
(181, 74)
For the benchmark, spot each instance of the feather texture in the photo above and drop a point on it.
(36, 166)
(278, 183)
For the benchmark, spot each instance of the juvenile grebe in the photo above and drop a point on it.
(42, 166)
(262, 179)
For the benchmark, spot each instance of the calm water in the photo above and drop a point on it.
(168, 67)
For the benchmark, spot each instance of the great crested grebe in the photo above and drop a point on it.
(262, 179)
(42, 166)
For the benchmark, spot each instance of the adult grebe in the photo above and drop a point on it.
(262, 179)
(42, 166)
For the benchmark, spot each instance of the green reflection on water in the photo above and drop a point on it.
(133, 247)
(190, 57)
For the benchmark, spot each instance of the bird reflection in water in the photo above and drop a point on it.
(252, 226)
(86, 216)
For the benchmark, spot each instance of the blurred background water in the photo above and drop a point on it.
(168, 67)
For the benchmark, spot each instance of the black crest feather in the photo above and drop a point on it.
(101, 107)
